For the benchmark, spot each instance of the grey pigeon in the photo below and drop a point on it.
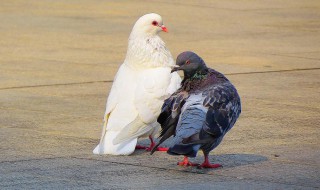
(199, 113)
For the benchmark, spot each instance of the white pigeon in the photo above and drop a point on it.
(141, 85)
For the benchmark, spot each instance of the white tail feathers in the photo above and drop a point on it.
(106, 142)
(133, 130)
(104, 130)
(107, 147)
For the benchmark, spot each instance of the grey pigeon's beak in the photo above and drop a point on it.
(175, 68)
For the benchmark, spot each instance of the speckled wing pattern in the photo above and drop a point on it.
(224, 108)
(200, 119)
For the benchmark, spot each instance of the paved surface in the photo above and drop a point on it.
(58, 59)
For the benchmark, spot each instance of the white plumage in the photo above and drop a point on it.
(142, 83)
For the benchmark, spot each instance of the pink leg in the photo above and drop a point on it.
(186, 162)
(206, 163)
(152, 144)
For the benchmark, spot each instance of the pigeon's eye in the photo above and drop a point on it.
(155, 23)
(187, 62)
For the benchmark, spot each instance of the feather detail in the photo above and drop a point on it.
(141, 84)
(133, 130)
(104, 130)
(200, 113)
(148, 51)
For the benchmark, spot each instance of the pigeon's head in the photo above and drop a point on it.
(190, 63)
(149, 24)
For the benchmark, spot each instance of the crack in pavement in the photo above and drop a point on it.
(275, 71)
(158, 168)
(293, 56)
(110, 81)
(61, 84)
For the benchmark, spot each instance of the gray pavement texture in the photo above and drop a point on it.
(58, 59)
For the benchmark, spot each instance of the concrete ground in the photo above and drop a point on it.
(58, 59)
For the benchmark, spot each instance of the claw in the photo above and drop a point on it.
(186, 162)
(206, 164)
(141, 147)
(152, 144)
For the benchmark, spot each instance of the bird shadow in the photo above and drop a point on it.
(227, 161)
(236, 160)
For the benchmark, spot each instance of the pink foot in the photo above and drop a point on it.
(160, 149)
(206, 164)
(152, 144)
(141, 147)
(186, 162)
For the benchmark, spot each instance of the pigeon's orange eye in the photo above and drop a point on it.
(187, 62)
(155, 23)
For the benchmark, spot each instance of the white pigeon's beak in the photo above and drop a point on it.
(164, 28)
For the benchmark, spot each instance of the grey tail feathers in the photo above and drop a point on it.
(203, 141)
(168, 133)
(184, 149)
(188, 147)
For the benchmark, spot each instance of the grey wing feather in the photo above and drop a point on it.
(169, 116)
(190, 123)
(224, 108)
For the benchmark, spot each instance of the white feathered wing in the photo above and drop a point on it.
(120, 111)
(154, 85)
(143, 81)
(136, 112)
